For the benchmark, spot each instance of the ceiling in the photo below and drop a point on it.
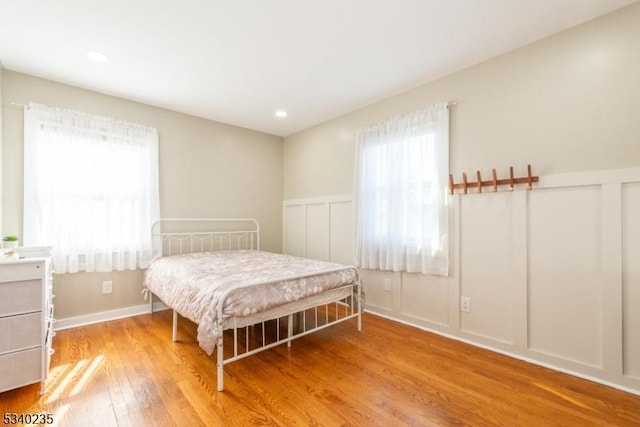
(239, 61)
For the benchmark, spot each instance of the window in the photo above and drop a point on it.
(90, 190)
(400, 193)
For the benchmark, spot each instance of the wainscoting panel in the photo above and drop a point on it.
(486, 264)
(553, 274)
(565, 273)
(295, 230)
(319, 228)
(341, 232)
(382, 291)
(425, 299)
(631, 279)
(318, 232)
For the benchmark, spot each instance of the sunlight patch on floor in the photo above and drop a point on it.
(59, 415)
(562, 395)
(71, 378)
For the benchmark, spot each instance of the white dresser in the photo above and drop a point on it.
(26, 318)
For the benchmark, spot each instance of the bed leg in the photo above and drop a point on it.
(174, 332)
(220, 364)
(289, 330)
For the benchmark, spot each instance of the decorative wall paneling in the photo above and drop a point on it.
(553, 274)
(319, 228)
(630, 279)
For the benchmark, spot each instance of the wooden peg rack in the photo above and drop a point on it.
(465, 185)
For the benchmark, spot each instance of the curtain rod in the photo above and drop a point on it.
(15, 104)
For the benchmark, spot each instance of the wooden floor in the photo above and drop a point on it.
(129, 373)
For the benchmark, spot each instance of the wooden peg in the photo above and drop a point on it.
(529, 177)
(479, 181)
(495, 180)
(464, 182)
(451, 184)
(511, 178)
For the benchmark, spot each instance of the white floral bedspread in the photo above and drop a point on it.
(192, 284)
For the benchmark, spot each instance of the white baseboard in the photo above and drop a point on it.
(106, 316)
(159, 306)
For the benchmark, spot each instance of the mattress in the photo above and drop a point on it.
(249, 281)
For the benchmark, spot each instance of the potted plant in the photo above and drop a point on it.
(10, 241)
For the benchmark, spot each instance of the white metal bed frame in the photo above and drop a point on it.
(338, 304)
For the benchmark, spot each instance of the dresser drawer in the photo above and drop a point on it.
(20, 332)
(20, 297)
(24, 270)
(22, 368)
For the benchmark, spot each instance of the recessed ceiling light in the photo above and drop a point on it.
(281, 114)
(97, 56)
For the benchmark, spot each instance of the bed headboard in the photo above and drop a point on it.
(172, 236)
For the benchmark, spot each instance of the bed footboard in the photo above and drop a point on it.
(251, 335)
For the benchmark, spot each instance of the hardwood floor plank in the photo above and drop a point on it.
(129, 373)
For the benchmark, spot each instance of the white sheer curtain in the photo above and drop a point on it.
(400, 193)
(90, 189)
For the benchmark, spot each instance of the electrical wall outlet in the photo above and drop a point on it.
(107, 287)
(387, 285)
(465, 304)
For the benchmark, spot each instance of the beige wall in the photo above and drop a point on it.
(206, 169)
(567, 103)
(545, 271)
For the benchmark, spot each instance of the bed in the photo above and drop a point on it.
(245, 300)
